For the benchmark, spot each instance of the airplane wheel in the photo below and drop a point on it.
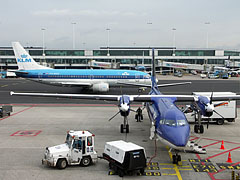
(174, 159)
(179, 158)
(196, 128)
(121, 128)
(127, 128)
(201, 128)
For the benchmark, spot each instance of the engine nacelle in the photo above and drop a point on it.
(100, 87)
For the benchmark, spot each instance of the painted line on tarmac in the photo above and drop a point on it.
(17, 113)
(174, 165)
(4, 85)
(211, 144)
(214, 173)
(223, 152)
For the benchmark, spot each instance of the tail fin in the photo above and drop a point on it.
(24, 60)
(154, 82)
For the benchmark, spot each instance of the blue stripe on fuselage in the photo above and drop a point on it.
(82, 74)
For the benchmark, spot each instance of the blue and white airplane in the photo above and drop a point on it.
(168, 122)
(97, 80)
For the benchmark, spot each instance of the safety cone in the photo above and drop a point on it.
(222, 145)
(229, 158)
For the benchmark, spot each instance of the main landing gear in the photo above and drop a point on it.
(176, 158)
(198, 127)
(124, 126)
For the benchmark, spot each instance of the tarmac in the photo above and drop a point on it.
(31, 128)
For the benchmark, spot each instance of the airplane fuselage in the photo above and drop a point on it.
(171, 125)
(88, 76)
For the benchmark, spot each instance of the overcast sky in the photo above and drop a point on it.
(131, 23)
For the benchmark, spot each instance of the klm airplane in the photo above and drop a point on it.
(168, 123)
(96, 80)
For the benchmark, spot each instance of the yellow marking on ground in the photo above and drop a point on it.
(167, 168)
(166, 174)
(185, 169)
(185, 166)
(4, 85)
(169, 164)
(174, 165)
(184, 160)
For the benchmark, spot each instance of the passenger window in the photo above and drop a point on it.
(89, 141)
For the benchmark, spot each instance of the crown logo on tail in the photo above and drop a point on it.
(23, 56)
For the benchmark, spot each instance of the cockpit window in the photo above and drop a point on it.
(170, 122)
(181, 122)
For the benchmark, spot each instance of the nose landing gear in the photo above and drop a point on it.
(176, 158)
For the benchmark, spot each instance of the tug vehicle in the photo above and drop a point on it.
(124, 157)
(78, 149)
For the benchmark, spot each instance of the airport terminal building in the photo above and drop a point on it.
(125, 56)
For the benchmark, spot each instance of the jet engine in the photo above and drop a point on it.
(100, 87)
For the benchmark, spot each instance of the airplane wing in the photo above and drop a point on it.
(136, 98)
(149, 86)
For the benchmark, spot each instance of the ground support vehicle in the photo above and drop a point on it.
(78, 149)
(5, 111)
(125, 157)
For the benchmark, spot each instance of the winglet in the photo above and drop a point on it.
(11, 93)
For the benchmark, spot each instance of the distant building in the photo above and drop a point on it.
(126, 56)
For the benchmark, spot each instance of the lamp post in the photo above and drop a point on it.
(207, 23)
(174, 40)
(149, 23)
(73, 34)
(108, 30)
(43, 41)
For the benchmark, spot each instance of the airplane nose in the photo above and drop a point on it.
(178, 136)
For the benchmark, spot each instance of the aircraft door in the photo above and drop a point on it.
(40, 76)
(76, 152)
(137, 77)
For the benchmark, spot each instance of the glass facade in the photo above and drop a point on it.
(231, 53)
(6, 53)
(121, 52)
(68, 57)
(195, 52)
(186, 52)
(57, 52)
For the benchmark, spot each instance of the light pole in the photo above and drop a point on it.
(43, 41)
(174, 39)
(149, 23)
(73, 34)
(207, 23)
(108, 30)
